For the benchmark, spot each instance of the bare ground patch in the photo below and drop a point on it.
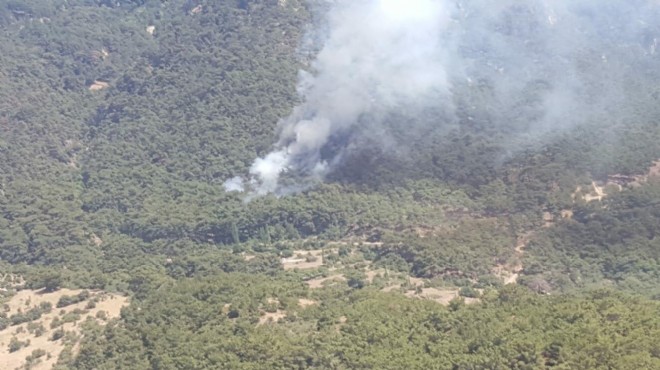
(305, 260)
(303, 302)
(442, 296)
(98, 85)
(391, 288)
(27, 299)
(372, 274)
(271, 317)
(511, 272)
(321, 282)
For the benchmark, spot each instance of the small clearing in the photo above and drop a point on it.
(654, 171)
(95, 240)
(271, 317)
(340, 323)
(441, 296)
(196, 10)
(416, 281)
(371, 275)
(303, 302)
(26, 299)
(319, 283)
(306, 260)
(391, 288)
(410, 281)
(98, 85)
(567, 213)
(592, 194)
(510, 273)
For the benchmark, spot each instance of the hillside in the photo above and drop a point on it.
(501, 235)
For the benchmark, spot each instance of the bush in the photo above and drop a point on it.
(468, 292)
(34, 327)
(57, 334)
(30, 315)
(35, 356)
(56, 322)
(67, 300)
(15, 344)
(102, 315)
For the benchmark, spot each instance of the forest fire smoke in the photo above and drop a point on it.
(534, 59)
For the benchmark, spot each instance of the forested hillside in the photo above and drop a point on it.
(468, 246)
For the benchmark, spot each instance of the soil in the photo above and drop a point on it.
(26, 299)
(271, 317)
(98, 85)
(299, 259)
(320, 282)
(302, 302)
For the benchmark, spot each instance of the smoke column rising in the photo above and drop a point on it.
(531, 67)
(378, 54)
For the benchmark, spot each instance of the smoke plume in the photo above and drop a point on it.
(534, 67)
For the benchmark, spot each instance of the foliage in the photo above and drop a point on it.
(614, 241)
(513, 329)
(115, 139)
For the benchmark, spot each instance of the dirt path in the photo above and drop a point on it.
(510, 274)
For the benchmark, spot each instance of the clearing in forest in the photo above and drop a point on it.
(271, 317)
(305, 260)
(510, 273)
(98, 85)
(303, 302)
(319, 283)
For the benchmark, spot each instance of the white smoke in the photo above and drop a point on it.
(534, 66)
(378, 54)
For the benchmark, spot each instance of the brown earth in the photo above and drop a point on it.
(99, 85)
(320, 282)
(300, 259)
(271, 317)
(511, 273)
(26, 299)
(302, 302)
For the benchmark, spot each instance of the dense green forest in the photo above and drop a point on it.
(120, 120)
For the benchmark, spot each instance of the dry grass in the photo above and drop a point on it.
(567, 213)
(442, 296)
(98, 85)
(302, 302)
(372, 274)
(320, 282)
(654, 171)
(26, 299)
(305, 260)
(271, 317)
(391, 288)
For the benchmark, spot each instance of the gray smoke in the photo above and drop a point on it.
(539, 65)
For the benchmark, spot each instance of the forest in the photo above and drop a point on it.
(120, 120)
